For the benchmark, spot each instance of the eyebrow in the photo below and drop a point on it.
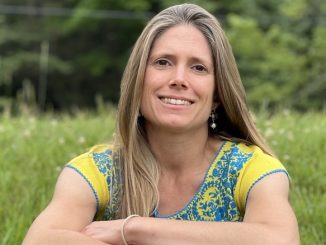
(172, 57)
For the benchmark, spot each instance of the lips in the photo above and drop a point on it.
(175, 101)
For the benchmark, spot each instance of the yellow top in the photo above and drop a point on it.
(92, 167)
(222, 195)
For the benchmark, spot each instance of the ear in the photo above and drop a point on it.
(215, 105)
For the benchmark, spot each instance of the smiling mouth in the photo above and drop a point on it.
(174, 101)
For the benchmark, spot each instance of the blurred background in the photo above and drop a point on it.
(59, 55)
(61, 64)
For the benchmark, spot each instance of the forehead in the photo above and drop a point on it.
(182, 38)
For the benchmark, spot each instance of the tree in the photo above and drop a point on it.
(277, 43)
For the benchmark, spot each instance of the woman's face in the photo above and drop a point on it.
(179, 81)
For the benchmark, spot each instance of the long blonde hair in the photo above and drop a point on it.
(140, 171)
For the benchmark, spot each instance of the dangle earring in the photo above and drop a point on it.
(213, 116)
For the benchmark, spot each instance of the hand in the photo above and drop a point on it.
(105, 231)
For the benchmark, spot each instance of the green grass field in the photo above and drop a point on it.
(34, 150)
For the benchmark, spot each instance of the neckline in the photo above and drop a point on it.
(217, 157)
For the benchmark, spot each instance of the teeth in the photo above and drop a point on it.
(175, 101)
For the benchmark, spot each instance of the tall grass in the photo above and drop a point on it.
(34, 150)
(300, 142)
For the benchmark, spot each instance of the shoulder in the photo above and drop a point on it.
(97, 150)
(243, 156)
(259, 163)
(95, 167)
(257, 166)
(98, 158)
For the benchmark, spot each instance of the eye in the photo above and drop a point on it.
(162, 63)
(199, 68)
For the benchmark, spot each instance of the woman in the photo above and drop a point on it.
(186, 151)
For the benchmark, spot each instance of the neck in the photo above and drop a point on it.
(182, 152)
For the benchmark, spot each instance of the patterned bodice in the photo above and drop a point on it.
(221, 196)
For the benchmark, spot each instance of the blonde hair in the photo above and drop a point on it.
(140, 171)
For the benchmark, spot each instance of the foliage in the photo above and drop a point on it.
(31, 162)
(300, 142)
(272, 70)
(278, 45)
(35, 149)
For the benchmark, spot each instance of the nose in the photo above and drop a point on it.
(179, 78)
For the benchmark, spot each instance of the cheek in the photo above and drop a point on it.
(212, 90)
(143, 102)
(206, 90)
(146, 86)
(209, 94)
(155, 79)
(145, 99)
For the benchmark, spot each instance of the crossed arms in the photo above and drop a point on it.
(269, 219)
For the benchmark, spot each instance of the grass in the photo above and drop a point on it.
(34, 150)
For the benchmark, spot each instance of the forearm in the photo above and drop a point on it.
(162, 231)
(59, 237)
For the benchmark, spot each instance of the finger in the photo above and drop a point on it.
(89, 230)
(90, 226)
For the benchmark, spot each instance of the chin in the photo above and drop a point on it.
(178, 127)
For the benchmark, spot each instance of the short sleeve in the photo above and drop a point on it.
(88, 168)
(258, 167)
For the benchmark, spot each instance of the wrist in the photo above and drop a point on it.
(126, 230)
(132, 230)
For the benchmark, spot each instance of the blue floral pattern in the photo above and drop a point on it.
(214, 200)
(108, 165)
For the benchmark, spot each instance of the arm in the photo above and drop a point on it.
(72, 208)
(269, 219)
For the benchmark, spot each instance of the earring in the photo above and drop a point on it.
(213, 116)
